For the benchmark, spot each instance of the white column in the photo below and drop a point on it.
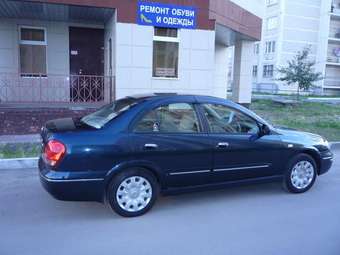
(221, 71)
(322, 46)
(242, 85)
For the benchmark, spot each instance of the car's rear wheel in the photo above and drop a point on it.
(132, 192)
(301, 174)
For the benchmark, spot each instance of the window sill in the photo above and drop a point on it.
(165, 78)
(33, 76)
(273, 4)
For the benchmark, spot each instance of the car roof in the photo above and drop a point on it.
(170, 95)
(198, 98)
(152, 95)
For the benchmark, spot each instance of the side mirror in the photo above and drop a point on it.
(264, 130)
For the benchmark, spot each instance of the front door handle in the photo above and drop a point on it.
(150, 146)
(222, 145)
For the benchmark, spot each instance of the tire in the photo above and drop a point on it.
(132, 192)
(300, 174)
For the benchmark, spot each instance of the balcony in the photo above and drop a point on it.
(332, 83)
(335, 9)
(333, 55)
(63, 90)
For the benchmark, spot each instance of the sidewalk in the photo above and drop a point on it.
(329, 100)
(5, 139)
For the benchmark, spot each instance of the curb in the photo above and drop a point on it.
(18, 163)
(24, 163)
(335, 145)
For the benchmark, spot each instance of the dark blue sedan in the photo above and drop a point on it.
(128, 152)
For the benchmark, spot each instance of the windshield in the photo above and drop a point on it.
(108, 112)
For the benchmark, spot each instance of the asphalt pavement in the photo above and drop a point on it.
(257, 219)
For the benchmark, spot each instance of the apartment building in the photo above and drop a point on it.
(288, 27)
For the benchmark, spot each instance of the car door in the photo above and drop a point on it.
(171, 137)
(239, 153)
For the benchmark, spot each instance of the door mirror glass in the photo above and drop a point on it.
(264, 130)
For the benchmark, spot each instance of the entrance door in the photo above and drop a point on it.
(86, 64)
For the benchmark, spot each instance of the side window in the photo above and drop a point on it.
(172, 118)
(222, 119)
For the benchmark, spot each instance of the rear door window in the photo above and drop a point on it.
(171, 118)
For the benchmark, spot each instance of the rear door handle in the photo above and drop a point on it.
(222, 145)
(150, 146)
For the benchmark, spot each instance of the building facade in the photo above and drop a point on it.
(288, 27)
(94, 51)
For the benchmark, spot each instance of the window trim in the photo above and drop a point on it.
(266, 76)
(270, 3)
(158, 38)
(256, 48)
(277, 23)
(35, 43)
(255, 71)
(134, 122)
(29, 42)
(270, 47)
(258, 123)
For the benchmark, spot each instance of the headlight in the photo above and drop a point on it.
(326, 143)
(323, 145)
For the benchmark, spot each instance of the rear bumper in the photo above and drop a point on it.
(72, 189)
(326, 162)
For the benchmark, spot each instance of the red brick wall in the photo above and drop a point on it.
(29, 121)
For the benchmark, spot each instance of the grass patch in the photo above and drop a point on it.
(20, 150)
(319, 118)
(295, 96)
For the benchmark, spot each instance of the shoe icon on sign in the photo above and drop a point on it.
(145, 19)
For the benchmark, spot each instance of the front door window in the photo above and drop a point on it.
(222, 119)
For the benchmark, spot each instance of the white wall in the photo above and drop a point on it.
(56, 87)
(8, 46)
(221, 71)
(254, 6)
(109, 33)
(57, 45)
(243, 72)
(134, 51)
(57, 58)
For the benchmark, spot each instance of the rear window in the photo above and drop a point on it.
(108, 112)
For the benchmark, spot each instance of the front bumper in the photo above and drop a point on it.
(64, 186)
(326, 162)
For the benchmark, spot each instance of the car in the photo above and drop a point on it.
(130, 151)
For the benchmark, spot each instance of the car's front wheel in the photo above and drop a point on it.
(301, 174)
(132, 192)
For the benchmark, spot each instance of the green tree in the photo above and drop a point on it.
(300, 70)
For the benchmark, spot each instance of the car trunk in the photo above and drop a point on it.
(62, 125)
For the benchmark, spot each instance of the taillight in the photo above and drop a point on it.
(53, 152)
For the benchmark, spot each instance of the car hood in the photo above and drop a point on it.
(301, 137)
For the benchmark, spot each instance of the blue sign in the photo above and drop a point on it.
(166, 15)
